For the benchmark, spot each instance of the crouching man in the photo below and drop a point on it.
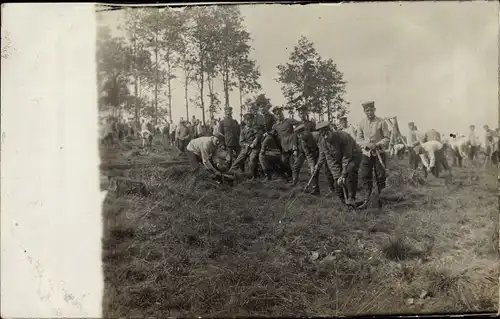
(201, 150)
(433, 157)
(343, 157)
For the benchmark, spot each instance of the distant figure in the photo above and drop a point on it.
(349, 129)
(432, 156)
(183, 136)
(472, 154)
(459, 148)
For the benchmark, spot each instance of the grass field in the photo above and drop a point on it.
(264, 248)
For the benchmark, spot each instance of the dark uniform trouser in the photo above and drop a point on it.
(253, 160)
(285, 161)
(232, 150)
(351, 179)
(368, 164)
(269, 163)
(441, 161)
(312, 160)
(472, 152)
(456, 156)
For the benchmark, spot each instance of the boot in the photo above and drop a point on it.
(315, 190)
(269, 174)
(295, 178)
(351, 202)
(367, 199)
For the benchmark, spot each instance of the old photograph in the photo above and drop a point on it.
(299, 160)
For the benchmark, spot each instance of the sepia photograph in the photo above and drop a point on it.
(299, 160)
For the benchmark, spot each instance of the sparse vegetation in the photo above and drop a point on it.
(263, 248)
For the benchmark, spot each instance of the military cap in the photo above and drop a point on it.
(368, 104)
(343, 118)
(322, 125)
(228, 109)
(299, 128)
(277, 110)
(411, 123)
(248, 116)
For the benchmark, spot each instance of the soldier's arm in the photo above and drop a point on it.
(385, 134)
(206, 156)
(360, 137)
(432, 159)
(424, 160)
(347, 153)
(242, 137)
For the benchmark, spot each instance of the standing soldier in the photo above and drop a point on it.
(373, 137)
(230, 129)
(342, 156)
(299, 154)
(284, 127)
(472, 143)
(309, 144)
(250, 146)
(173, 129)
(165, 134)
(264, 119)
(269, 156)
(182, 135)
(349, 129)
(412, 141)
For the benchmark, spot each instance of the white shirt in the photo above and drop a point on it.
(429, 155)
(205, 147)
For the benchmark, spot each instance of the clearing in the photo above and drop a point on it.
(264, 248)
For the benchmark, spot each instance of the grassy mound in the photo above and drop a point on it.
(264, 248)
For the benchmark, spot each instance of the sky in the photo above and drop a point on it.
(434, 63)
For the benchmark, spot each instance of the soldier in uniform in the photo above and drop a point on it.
(270, 156)
(250, 138)
(342, 156)
(230, 129)
(373, 137)
(309, 144)
(264, 119)
(284, 127)
(299, 155)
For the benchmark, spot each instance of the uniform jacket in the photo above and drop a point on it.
(266, 120)
(286, 134)
(375, 131)
(230, 129)
(338, 149)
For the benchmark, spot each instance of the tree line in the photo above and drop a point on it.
(162, 48)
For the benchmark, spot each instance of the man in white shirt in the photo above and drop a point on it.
(432, 155)
(459, 147)
(201, 151)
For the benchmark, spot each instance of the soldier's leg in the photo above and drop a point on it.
(366, 175)
(240, 160)
(297, 165)
(253, 162)
(352, 180)
(266, 166)
(285, 162)
(381, 173)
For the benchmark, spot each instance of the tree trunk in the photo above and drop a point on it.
(202, 82)
(169, 86)
(329, 111)
(156, 81)
(210, 83)
(186, 83)
(226, 85)
(241, 102)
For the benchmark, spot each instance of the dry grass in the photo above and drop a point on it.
(195, 248)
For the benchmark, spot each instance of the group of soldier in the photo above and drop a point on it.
(282, 145)
(271, 144)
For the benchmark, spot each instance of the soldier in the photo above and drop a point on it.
(250, 146)
(343, 157)
(269, 156)
(488, 143)
(309, 144)
(299, 155)
(472, 143)
(373, 137)
(165, 134)
(432, 135)
(284, 127)
(265, 119)
(202, 150)
(344, 126)
(230, 129)
(432, 156)
(412, 141)
(182, 135)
